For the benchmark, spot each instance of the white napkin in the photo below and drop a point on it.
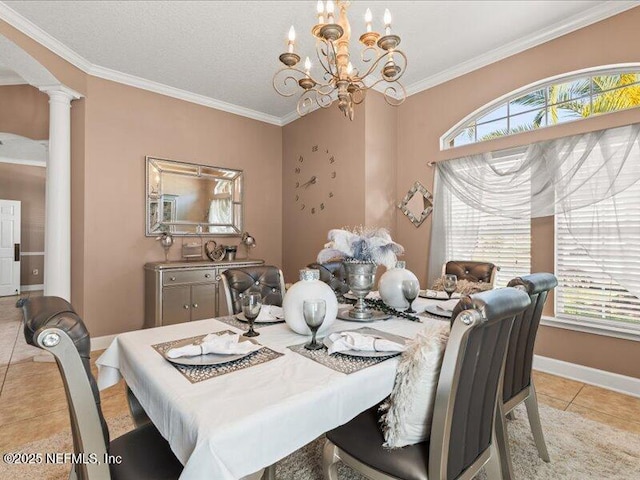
(270, 313)
(343, 341)
(227, 344)
(447, 306)
(439, 294)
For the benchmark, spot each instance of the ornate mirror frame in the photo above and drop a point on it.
(157, 173)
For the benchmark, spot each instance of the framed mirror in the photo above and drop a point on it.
(190, 199)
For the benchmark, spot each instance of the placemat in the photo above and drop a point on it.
(200, 373)
(346, 363)
(234, 322)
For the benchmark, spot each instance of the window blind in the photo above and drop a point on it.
(481, 236)
(587, 290)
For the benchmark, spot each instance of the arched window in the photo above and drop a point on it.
(550, 102)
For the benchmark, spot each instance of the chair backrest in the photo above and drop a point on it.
(482, 272)
(470, 381)
(52, 324)
(517, 369)
(265, 279)
(334, 275)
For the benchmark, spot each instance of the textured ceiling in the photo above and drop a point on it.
(229, 50)
(8, 76)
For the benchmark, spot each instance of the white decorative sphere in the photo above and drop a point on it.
(308, 288)
(390, 286)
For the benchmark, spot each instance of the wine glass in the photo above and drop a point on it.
(251, 305)
(314, 312)
(410, 290)
(449, 283)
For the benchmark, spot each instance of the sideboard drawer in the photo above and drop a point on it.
(198, 275)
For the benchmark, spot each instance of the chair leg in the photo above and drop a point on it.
(502, 445)
(330, 461)
(269, 473)
(492, 468)
(531, 402)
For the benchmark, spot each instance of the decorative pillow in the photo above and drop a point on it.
(464, 287)
(409, 409)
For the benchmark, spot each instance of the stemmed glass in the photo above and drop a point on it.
(314, 312)
(449, 283)
(251, 305)
(410, 290)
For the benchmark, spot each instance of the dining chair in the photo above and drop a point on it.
(334, 275)
(462, 437)
(480, 272)
(518, 382)
(51, 324)
(265, 279)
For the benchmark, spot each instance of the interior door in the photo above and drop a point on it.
(9, 247)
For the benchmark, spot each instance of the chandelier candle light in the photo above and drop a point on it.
(384, 64)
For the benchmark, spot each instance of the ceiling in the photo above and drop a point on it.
(228, 51)
(9, 77)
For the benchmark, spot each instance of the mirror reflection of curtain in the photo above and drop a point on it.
(220, 208)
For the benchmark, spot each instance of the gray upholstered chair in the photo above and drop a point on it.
(334, 275)
(469, 388)
(481, 272)
(51, 323)
(267, 280)
(518, 382)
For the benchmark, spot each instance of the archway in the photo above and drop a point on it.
(57, 268)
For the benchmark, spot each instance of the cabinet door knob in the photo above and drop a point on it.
(207, 275)
(195, 305)
(186, 307)
(173, 279)
(218, 278)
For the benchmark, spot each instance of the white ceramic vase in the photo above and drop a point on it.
(390, 286)
(308, 288)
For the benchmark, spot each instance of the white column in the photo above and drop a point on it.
(57, 228)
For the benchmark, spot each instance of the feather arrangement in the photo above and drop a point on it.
(372, 245)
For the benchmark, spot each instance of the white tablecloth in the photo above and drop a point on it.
(235, 424)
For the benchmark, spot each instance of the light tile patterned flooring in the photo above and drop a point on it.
(33, 404)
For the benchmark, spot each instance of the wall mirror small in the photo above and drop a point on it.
(191, 199)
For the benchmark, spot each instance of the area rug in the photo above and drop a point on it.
(579, 449)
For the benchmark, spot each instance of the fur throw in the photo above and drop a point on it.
(464, 287)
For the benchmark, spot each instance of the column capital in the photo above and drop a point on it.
(60, 92)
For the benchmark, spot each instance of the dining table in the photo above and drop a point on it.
(243, 420)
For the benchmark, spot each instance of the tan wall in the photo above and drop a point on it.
(123, 125)
(26, 184)
(424, 117)
(304, 233)
(24, 111)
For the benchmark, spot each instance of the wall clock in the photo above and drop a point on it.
(315, 178)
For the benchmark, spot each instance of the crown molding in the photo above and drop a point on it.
(588, 17)
(36, 33)
(571, 24)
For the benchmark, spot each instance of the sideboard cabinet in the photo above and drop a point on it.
(177, 292)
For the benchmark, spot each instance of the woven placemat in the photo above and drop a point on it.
(199, 373)
(234, 322)
(346, 363)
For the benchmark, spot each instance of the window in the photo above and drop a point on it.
(587, 288)
(550, 103)
(478, 235)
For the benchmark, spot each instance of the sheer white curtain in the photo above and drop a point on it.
(548, 178)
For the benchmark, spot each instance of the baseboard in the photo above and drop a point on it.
(592, 376)
(31, 288)
(100, 343)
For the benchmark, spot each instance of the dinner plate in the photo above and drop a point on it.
(437, 295)
(438, 312)
(358, 353)
(208, 359)
(242, 318)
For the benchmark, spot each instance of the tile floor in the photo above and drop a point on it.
(33, 405)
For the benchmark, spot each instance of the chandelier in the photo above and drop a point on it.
(339, 80)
